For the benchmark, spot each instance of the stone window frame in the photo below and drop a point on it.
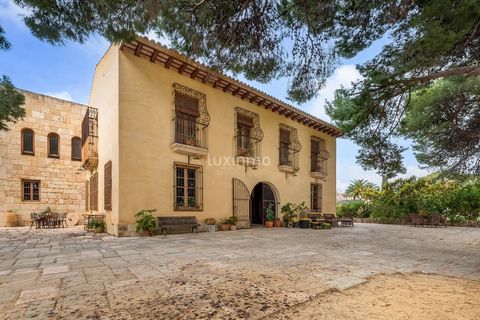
(31, 181)
(50, 155)
(78, 139)
(23, 152)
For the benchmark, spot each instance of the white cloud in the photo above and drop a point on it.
(9, 11)
(342, 76)
(153, 36)
(64, 95)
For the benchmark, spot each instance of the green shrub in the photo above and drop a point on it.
(353, 208)
(145, 221)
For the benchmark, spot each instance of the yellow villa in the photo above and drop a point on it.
(165, 132)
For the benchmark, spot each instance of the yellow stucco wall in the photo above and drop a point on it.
(104, 97)
(142, 157)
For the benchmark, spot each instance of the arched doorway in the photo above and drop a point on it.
(263, 196)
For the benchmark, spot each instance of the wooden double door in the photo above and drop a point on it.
(250, 208)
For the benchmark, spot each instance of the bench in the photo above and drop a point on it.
(165, 223)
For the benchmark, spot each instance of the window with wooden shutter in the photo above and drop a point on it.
(244, 143)
(28, 141)
(186, 104)
(76, 149)
(53, 146)
(94, 192)
(316, 197)
(108, 186)
(285, 147)
(87, 195)
(188, 187)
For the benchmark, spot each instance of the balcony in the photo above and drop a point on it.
(90, 139)
(247, 151)
(190, 136)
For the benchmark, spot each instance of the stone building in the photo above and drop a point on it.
(41, 158)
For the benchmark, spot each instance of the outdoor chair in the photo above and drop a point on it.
(436, 220)
(35, 219)
(60, 219)
(331, 219)
(417, 220)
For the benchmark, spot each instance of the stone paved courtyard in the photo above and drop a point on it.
(255, 273)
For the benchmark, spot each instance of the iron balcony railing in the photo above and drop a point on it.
(288, 156)
(319, 165)
(189, 131)
(247, 146)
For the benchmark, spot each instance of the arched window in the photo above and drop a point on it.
(28, 142)
(76, 149)
(53, 145)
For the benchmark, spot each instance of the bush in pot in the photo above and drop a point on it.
(211, 224)
(98, 226)
(145, 222)
(288, 213)
(224, 225)
(269, 217)
(232, 221)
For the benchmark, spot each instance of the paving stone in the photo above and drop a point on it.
(33, 295)
(55, 269)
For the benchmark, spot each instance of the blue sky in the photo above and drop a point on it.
(67, 71)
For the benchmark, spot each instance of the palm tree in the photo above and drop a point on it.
(358, 187)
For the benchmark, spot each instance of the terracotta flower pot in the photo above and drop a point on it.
(233, 227)
(99, 230)
(277, 223)
(225, 227)
(146, 233)
(268, 224)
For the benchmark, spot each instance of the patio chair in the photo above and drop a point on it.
(35, 219)
(331, 219)
(61, 219)
(417, 220)
(436, 220)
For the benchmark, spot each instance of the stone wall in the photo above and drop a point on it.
(62, 182)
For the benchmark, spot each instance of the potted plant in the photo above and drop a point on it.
(224, 225)
(233, 223)
(190, 140)
(277, 223)
(288, 213)
(98, 226)
(269, 217)
(145, 222)
(211, 224)
(304, 223)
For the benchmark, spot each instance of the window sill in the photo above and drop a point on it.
(248, 161)
(188, 149)
(287, 169)
(318, 175)
(28, 154)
